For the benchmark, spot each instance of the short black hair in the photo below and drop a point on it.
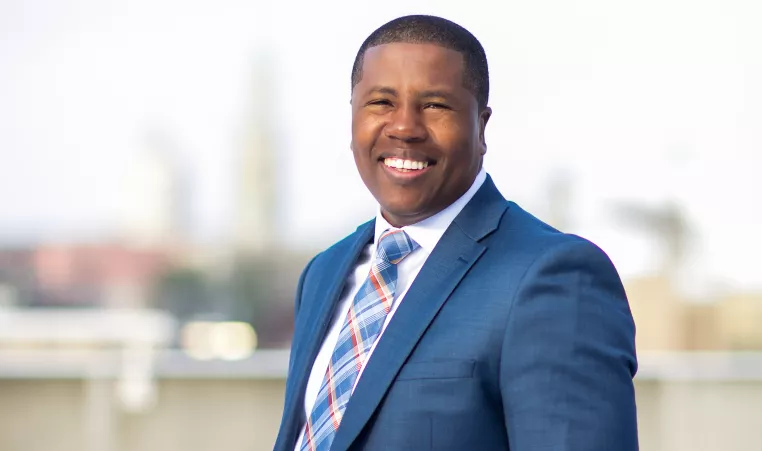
(422, 29)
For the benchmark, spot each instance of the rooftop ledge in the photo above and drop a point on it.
(273, 365)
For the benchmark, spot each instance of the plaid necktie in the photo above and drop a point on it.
(361, 328)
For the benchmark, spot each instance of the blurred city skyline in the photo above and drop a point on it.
(168, 167)
(628, 108)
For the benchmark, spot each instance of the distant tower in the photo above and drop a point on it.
(154, 208)
(257, 170)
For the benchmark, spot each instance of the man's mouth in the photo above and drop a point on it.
(403, 165)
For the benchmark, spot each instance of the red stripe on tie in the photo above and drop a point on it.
(354, 333)
(332, 405)
(309, 436)
(380, 289)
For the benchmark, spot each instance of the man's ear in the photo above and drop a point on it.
(483, 119)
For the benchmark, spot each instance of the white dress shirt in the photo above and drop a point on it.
(427, 234)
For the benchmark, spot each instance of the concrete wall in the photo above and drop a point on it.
(243, 415)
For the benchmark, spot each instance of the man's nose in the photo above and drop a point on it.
(407, 125)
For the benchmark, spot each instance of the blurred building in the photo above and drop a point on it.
(680, 308)
(150, 261)
(155, 207)
(667, 321)
(82, 275)
(256, 198)
(261, 273)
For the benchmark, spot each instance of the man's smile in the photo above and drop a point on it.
(405, 165)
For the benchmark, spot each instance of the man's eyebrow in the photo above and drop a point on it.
(435, 93)
(382, 90)
(428, 94)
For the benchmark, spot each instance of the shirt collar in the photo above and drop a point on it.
(428, 232)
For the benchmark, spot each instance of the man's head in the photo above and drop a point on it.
(420, 87)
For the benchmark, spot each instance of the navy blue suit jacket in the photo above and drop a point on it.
(512, 336)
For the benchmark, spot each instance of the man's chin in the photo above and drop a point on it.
(400, 216)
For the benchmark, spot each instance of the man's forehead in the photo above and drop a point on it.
(412, 49)
(410, 58)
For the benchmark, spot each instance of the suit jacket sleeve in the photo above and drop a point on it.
(568, 356)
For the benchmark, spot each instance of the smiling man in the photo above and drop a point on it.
(454, 320)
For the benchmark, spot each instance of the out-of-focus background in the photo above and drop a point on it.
(167, 167)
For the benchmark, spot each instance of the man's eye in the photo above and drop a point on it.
(438, 106)
(380, 102)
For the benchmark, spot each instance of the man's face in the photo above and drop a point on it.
(417, 132)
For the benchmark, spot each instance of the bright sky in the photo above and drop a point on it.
(643, 101)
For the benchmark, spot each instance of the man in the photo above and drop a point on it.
(455, 320)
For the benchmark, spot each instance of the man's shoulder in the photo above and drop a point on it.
(534, 238)
(522, 227)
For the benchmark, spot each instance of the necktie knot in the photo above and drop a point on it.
(394, 245)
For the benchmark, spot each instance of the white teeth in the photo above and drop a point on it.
(399, 163)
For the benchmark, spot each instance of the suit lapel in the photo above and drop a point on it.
(456, 252)
(314, 318)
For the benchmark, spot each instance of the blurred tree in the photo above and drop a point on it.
(667, 222)
(252, 295)
(184, 292)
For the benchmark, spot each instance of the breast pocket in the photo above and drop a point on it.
(429, 402)
(439, 369)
